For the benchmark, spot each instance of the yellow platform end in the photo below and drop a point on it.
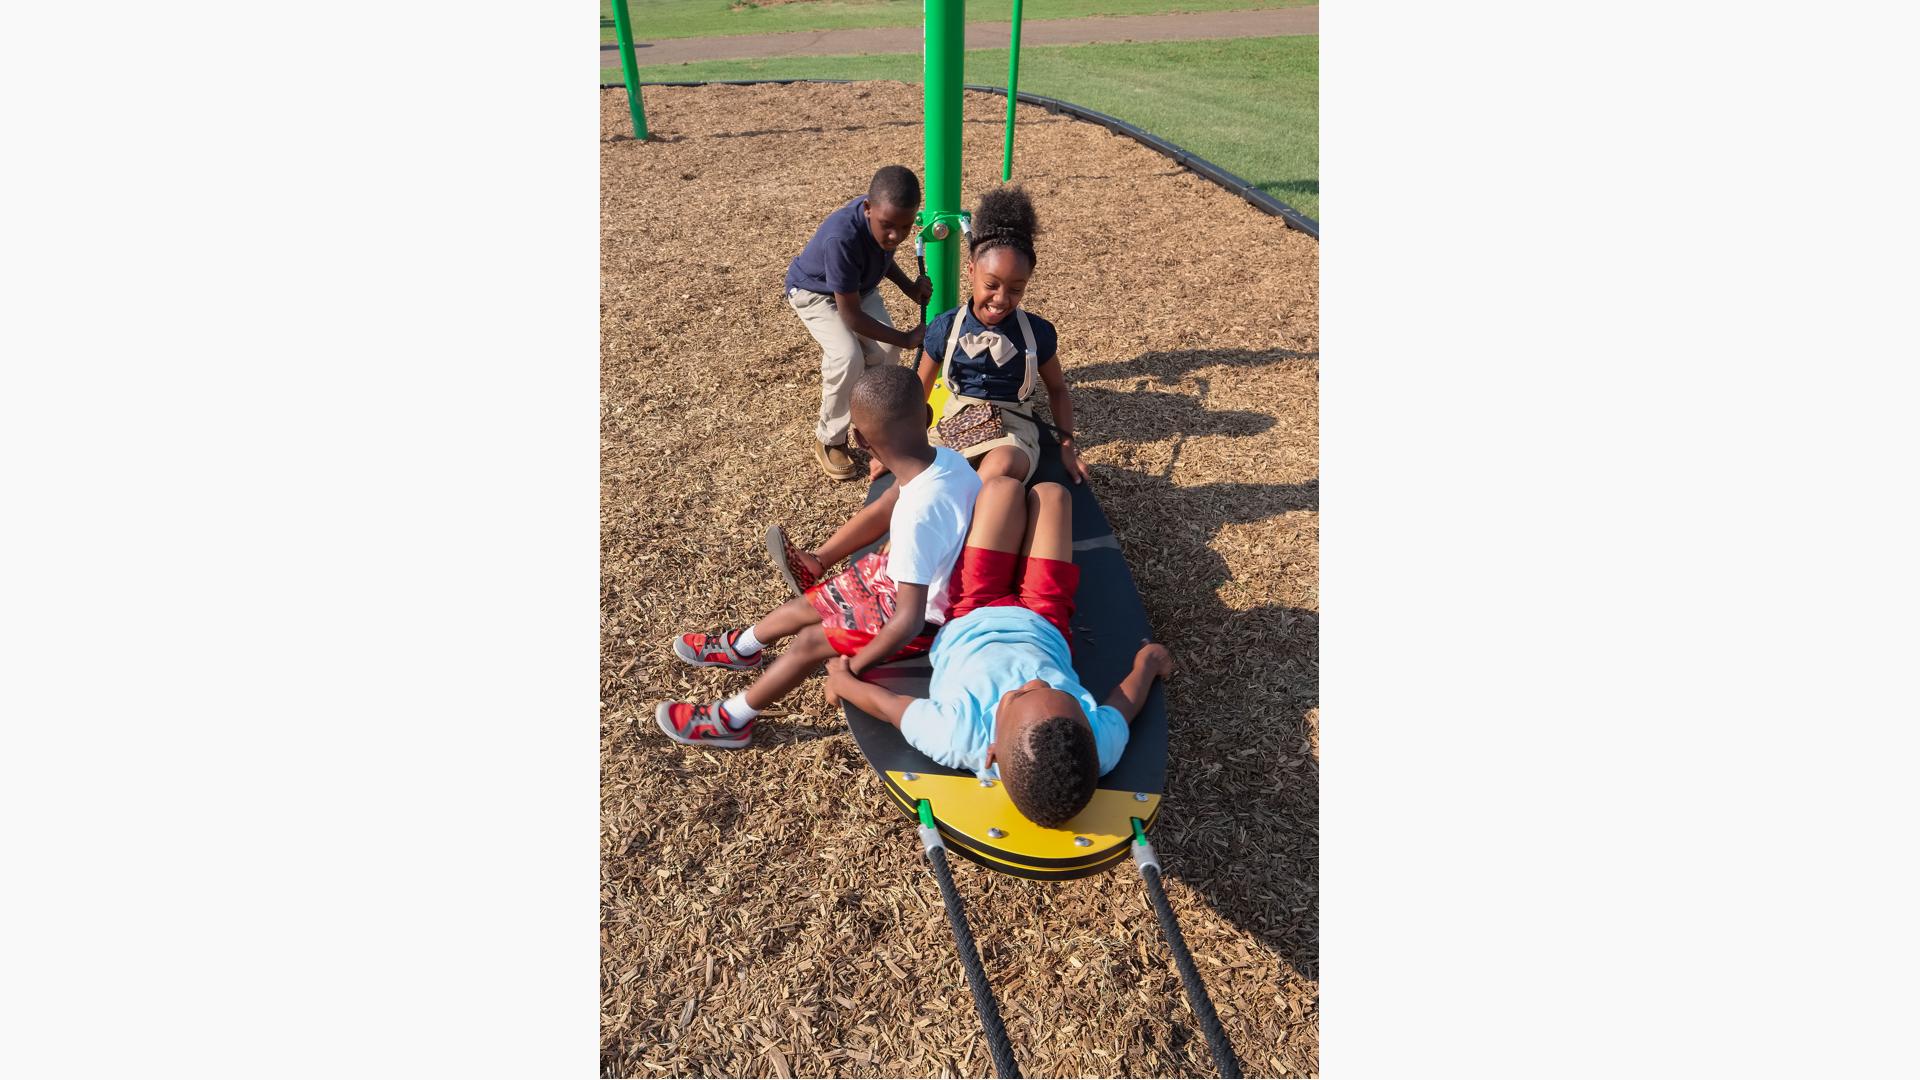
(973, 814)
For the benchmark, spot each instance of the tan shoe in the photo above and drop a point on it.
(834, 461)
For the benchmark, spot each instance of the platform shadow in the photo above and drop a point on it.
(1144, 416)
(1167, 366)
(1242, 823)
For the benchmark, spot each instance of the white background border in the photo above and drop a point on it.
(301, 588)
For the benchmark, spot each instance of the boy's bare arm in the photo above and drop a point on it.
(1151, 662)
(918, 291)
(875, 701)
(910, 604)
(858, 321)
(861, 529)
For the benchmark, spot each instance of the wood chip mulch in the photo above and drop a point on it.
(768, 912)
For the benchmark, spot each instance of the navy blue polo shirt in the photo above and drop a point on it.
(979, 376)
(843, 256)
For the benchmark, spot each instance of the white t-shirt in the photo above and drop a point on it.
(929, 527)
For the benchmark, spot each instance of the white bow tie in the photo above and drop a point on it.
(992, 342)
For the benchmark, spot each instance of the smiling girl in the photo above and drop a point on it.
(990, 352)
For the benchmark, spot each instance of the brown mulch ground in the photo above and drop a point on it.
(767, 912)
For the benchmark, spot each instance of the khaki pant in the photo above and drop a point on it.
(844, 356)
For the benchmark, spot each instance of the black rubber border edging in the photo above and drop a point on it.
(1260, 200)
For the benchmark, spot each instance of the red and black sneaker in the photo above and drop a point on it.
(715, 649)
(701, 725)
(787, 561)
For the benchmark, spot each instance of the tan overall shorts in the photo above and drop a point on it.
(1022, 432)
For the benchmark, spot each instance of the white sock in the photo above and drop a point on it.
(746, 644)
(738, 711)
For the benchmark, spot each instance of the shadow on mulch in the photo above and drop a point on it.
(1258, 816)
(1171, 365)
(1243, 785)
(1168, 417)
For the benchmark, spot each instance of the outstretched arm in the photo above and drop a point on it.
(909, 605)
(875, 701)
(858, 321)
(861, 529)
(1061, 402)
(1151, 662)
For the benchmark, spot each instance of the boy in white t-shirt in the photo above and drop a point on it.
(925, 515)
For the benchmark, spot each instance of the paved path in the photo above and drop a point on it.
(1183, 26)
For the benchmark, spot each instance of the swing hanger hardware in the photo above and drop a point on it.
(939, 224)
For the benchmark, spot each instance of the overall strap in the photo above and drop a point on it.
(1032, 350)
(953, 341)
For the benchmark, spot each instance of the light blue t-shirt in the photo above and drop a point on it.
(982, 655)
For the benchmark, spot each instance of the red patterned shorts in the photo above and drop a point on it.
(855, 603)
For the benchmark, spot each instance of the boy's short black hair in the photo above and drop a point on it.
(895, 185)
(1054, 772)
(887, 397)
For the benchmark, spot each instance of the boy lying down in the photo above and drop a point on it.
(1004, 700)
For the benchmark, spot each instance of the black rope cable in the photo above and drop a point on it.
(920, 259)
(1223, 1058)
(983, 1003)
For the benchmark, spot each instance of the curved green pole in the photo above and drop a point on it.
(940, 217)
(1013, 92)
(623, 25)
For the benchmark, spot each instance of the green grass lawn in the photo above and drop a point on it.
(1251, 105)
(657, 20)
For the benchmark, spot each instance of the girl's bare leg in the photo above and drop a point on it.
(1004, 461)
(999, 515)
(1049, 532)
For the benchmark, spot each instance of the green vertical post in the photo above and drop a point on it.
(943, 43)
(1013, 94)
(623, 25)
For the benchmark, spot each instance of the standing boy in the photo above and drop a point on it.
(834, 286)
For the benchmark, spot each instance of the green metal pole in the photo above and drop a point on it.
(944, 42)
(623, 25)
(1013, 92)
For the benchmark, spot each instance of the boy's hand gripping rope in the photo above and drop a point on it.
(983, 1003)
(1149, 864)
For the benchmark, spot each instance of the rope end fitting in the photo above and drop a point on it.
(1143, 853)
(929, 832)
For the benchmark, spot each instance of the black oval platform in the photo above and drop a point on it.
(976, 817)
